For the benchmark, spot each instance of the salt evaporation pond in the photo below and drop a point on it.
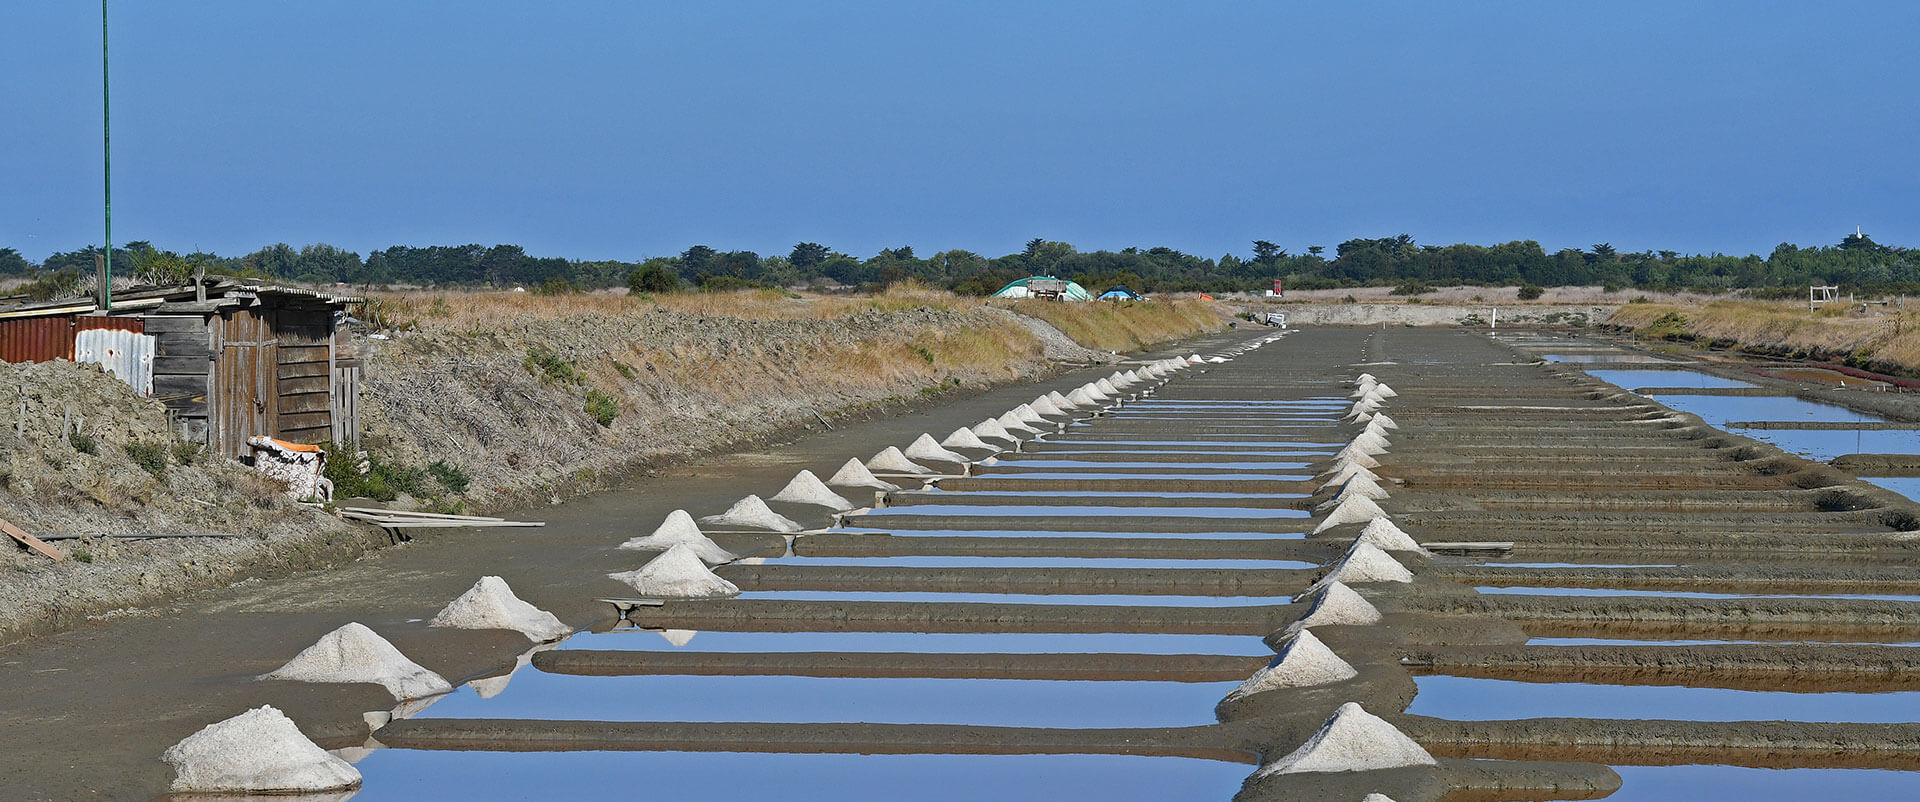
(1624, 358)
(1816, 444)
(1108, 600)
(1036, 533)
(1036, 510)
(1664, 783)
(537, 695)
(1471, 699)
(960, 561)
(1630, 379)
(1908, 486)
(923, 642)
(1691, 594)
(405, 775)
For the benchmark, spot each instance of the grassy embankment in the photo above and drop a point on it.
(533, 397)
(1884, 343)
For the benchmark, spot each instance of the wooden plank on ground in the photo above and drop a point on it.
(30, 541)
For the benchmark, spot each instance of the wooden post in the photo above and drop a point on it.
(30, 541)
(100, 282)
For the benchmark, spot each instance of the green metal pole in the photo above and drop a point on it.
(106, 145)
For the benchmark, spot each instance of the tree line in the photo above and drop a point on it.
(1856, 262)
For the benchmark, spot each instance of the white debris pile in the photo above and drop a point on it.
(1303, 662)
(491, 604)
(677, 573)
(752, 513)
(260, 751)
(296, 465)
(679, 529)
(354, 653)
(1352, 740)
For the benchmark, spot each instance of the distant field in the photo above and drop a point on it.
(1886, 339)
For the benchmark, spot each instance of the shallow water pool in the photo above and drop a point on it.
(963, 510)
(405, 775)
(1102, 600)
(1469, 699)
(956, 561)
(1664, 783)
(924, 642)
(1630, 379)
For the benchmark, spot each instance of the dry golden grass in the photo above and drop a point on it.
(468, 311)
(1128, 325)
(1890, 341)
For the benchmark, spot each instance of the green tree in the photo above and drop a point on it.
(807, 255)
(655, 276)
(13, 264)
(1267, 253)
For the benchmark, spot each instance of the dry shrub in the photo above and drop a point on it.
(1891, 341)
(1127, 325)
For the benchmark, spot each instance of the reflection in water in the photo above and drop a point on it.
(987, 702)
(1084, 512)
(1038, 562)
(1691, 594)
(930, 642)
(1467, 698)
(1662, 783)
(1664, 378)
(411, 776)
(1014, 598)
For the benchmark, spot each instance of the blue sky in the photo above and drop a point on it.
(623, 129)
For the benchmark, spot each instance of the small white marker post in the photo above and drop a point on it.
(1495, 324)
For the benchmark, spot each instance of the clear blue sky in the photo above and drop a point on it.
(624, 129)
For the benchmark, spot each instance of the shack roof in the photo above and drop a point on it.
(221, 292)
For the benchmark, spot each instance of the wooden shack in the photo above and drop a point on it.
(229, 358)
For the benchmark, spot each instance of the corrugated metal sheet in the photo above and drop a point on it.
(133, 324)
(125, 354)
(36, 339)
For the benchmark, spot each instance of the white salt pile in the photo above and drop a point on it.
(1336, 605)
(679, 637)
(965, 438)
(1093, 389)
(751, 513)
(1376, 798)
(260, 751)
(1362, 485)
(1107, 386)
(1374, 427)
(1218, 360)
(1362, 447)
(992, 428)
(1012, 423)
(1371, 440)
(890, 460)
(1028, 414)
(1380, 419)
(1060, 401)
(1364, 378)
(679, 529)
(1362, 390)
(1352, 511)
(1347, 470)
(1081, 399)
(1362, 563)
(1347, 456)
(1384, 391)
(1046, 408)
(806, 488)
(490, 604)
(854, 474)
(1353, 740)
(354, 653)
(1302, 663)
(1383, 534)
(1195, 358)
(677, 573)
(924, 448)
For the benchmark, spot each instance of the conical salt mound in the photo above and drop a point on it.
(679, 637)
(1362, 390)
(1351, 490)
(1354, 510)
(1060, 401)
(1353, 740)
(1381, 420)
(677, 573)
(1376, 798)
(354, 653)
(1374, 427)
(1336, 605)
(1046, 407)
(965, 438)
(490, 604)
(1012, 423)
(1028, 414)
(1364, 378)
(1121, 379)
(806, 488)
(679, 529)
(1195, 359)
(1383, 534)
(924, 448)
(1364, 563)
(1363, 486)
(1107, 387)
(890, 460)
(1349, 457)
(854, 474)
(1367, 447)
(260, 751)
(1093, 389)
(1081, 399)
(751, 513)
(1341, 472)
(1384, 391)
(992, 428)
(1302, 663)
(1218, 360)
